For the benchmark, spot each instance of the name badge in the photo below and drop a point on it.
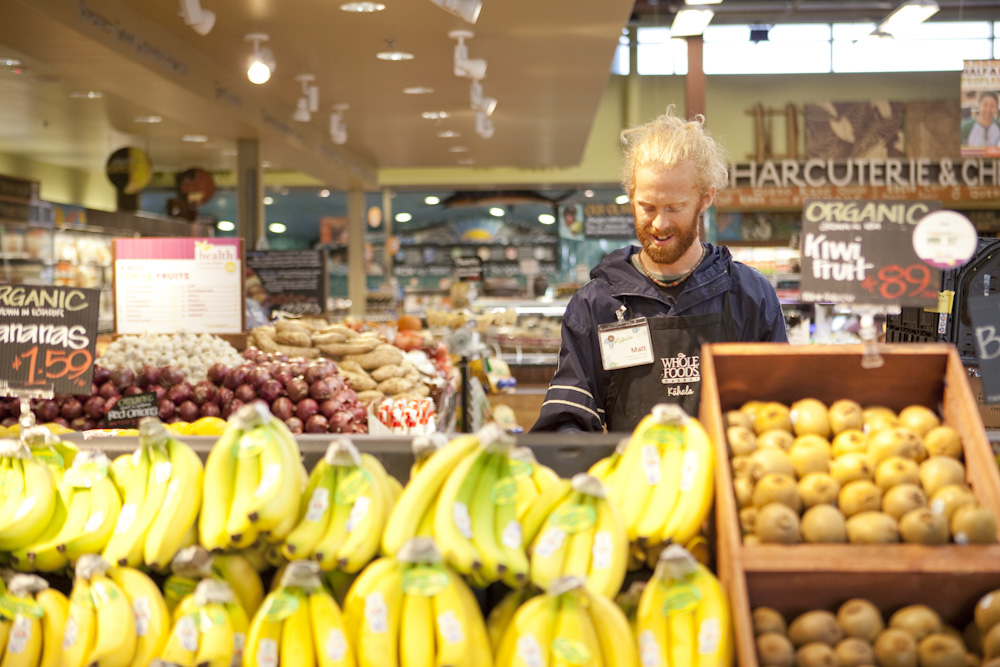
(625, 344)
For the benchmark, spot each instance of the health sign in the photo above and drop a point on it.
(47, 339)
(861, 252)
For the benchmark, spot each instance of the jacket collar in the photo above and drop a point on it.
(710, 278)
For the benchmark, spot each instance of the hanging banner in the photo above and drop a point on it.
(980, 102)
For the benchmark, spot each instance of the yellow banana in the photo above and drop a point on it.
(327, 549)
(609, 561)
(482, 512)
(378, 630)
(241, 576)
(531, 522)
(354, 601)
(215, 636)
(152, 618)
(24, 641)
(574, 640)
(4, 633)
(241, 625)
(115, 643)
(580, 545)
(713, 621)
(279, 492)
(451, 626)
(44, 554)
(105, 504)
(241, 531)
(696, 486)
(548, 554)
(452, 519)
(416, 632)
(614, 635)
(480, 651)
(25, 516)
(664, 497)
(263, 642)
(315, 511)
(543, 476)
(329, 632)
(297, 644)
(527, 638)
(176, 521)
(507, 528)
(56, 608)
(182, 644)
(366, 519)
(81, 626)
(129, 527)
(217, 489)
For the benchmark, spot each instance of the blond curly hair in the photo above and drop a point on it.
(668, 141)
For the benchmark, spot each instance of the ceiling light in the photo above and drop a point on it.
(431, 200)
(194, 138)
(448, 134)
(308, 104)
(324, 193)
(148, 119)
(266, 164)
(363, 7)
(230, 152)
(463, 66)
(546, 218)
(200, 20)
(467, 10)
(86, 95)
(403, 217)
(621, 200)
(466, 161)
(418, 90)
(476, 100)
(484, 126)
(268, 201)
(277, 228)
(261, 62)
(497, 212)
(394, 55)
(689, 22)
(225, 226)
(702, 2)
(10, 62)
(588, 193)
(434, 115)
(457, 149)
(338, 129)
(909, 14)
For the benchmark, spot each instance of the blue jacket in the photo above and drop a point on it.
(577, 394)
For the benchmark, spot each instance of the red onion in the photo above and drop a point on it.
(166, 409)
(314, 373)
(229, 408)
(94, 407)
(283, 375)
(251, 354)
(306, 408)
(133, 389)
(56, 420)
(258, 377)
(223, 396)
(316, 424)
(336, 382)
(48, 410)
(359, 412)
(210, 410)
(169, 376)
(122, 376)
(297, 389)
(108, 389)
(320, 390)
(148, 376)
(282, 408)
(179, 393)
(245, 393)
(71, 409)
(203, 392)
(294, 425)
(235, 377)
(217, 373)
(341, 421)
(159, 390)
(298, 365)
(81, 424)
(330, 406)
(270, 390)
(101, 374)
(188, 411)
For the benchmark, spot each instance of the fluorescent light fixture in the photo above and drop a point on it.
(260, 63)
(268, 201)
(909, 14)
(363, 7)
(418, 90)
(689, 22)
(403, 216)
(87, 95)
(225, 226)
(621, 199)
(10, 62)
(467, 10)
(194, 138)
(497, 212)
(200, 20)
(546, 218)
(394, 56)
(431, 200)
(457, 149)
(148, 119)
(276, 228)
(324, 193)
(435, 115)
(448, 134)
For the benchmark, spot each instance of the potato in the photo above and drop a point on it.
(388, 371)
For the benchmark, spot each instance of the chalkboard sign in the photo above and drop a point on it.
(47, 339)
(468, 268)
(290, 280)
(128, 410)
(985, 314)
(608, 221)
(858, 251)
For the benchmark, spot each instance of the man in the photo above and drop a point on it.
(983, 129)
(631, 337)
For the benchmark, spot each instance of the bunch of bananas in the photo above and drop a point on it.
(683, 616)
(663, 478)
(253, 482)
(568, 625)
(209, 628)
(531, 476)
(161, 489)
(48, 448)
(574, 530)
(28, 496)
(194, 564)
(32, 621)
(415, 610)
(117, 616)
(344, 510)
(465, 495)
(299, 624)
(81, 520)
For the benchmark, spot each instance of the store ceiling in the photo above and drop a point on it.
(548, 65)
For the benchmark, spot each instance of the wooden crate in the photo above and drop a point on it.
(927, 374)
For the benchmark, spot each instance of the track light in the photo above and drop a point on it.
(476, 100)
(473, 69)
(467, 10)
(308, 104)
(909, 14)
(338, 130)
(484, 126)
(201, 20)
(690, 22)
(261, 61)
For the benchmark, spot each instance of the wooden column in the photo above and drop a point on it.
(357, 281)
(694, 82)
(250, 190)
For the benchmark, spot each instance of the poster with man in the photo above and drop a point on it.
(980, 103)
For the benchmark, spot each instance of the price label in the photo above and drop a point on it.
(47, 339)
(859, 251)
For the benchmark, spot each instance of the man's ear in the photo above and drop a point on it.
(707, 199)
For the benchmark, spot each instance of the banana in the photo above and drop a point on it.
(420, 494)
(328, 548)
(315, 511)
(217, 489)
(452, 520)
(580, 545)
(482, 512)
(129, 527)
(152, 618)
(416, 632)
(215, 636)
(297, 644)
(25, 516)
(241, 625)
(4, 633)
(56, 608)
(395, 489)
(614, 635)
(241, 531)
(116, 640)
(81, 626)
(574, 640)
(329, 632)
(531, 522)
(452, 626)
(354, 601)
(609, 561)
(182, 644)
(696, 486)
(549, 552)
(366, 519)
(241, 576)
(502, 614)
(279, 493)
(480, 651)
(105, 504)
(263, 645)
(543, 476)
(507, 530)
(527, 638)
(378, 629)
(663, 500)
(44, 555)
(713, 621)
(24, 641)
(177, 519)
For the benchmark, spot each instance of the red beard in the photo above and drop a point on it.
(683, 239)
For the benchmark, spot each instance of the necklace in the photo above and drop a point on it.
(660, 283)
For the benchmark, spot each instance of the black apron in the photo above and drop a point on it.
(675, 374)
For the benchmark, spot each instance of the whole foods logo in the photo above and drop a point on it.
(210, 252)
(681, 369)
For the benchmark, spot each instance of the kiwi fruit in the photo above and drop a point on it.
(816, 654)
(973, 636)
(973, 523)
(772, 415)
(918, 418)
(872, 528)
(949, 498)
(859, 496)
(895, 648)
(852, 466)
(860, 618)
(903, 498)
(917, 619)
(815, 626)
(877, 417)
(775, 438)
(896, 470)
(751, 407)
(748, 515)
(898, 441)
(776, 488)
(940, 471)
(743, 487)
(772, 460)
(775, 649)
(941, 650)
(768, 619)
(991, 642)
(987, 613)
(851, 440)
(943, 441)
(854, 652)
(741, 440)
(738, 418)
(777, 523)
(823, 524)
(845, 414)
(742, 464)
(809, 416)
(810, 453)
(818, 488)
(922, 526)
